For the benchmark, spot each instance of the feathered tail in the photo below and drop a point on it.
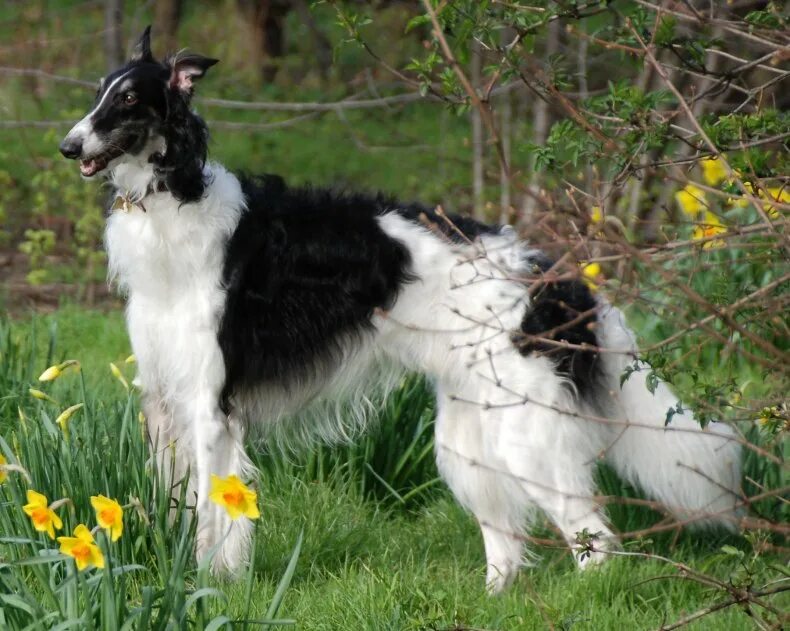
(695, 473)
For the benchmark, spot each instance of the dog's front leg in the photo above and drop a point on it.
(169, 447)
(219, 450)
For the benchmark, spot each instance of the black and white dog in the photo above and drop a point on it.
(249, 301)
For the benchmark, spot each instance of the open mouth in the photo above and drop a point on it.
(92, 166)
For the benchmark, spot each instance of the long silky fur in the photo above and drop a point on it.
(181, 165)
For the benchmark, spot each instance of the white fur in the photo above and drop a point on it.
(168, 259)
(510, 436)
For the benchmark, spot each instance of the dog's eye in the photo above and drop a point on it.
(129, 98)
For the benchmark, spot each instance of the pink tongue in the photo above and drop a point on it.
(89, 168)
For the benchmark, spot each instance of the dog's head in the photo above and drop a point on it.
(141, 114)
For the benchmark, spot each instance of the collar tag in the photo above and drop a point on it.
(125, 204)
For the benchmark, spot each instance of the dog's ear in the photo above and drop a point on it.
(142, 50)
(186, 68)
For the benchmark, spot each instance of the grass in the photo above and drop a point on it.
(383, 545)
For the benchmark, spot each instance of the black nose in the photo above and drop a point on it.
(71, 148)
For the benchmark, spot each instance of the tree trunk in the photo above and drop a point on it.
(540, 127)
(167, 17)
(266, 19)
(321, 43)
(505, 129)
(113, 36)
(504, 178)
(477, 137)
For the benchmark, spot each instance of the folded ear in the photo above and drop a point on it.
(142, 50)
(186, 68)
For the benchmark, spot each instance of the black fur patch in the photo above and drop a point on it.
(454, 227)
(186, 138)
(306, 268)
(304, 271)
(564, 311)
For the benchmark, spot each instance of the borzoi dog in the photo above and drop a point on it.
(250, 302)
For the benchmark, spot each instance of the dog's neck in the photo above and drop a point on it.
(134, 176)
(134, 181)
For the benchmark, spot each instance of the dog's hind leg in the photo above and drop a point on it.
(464, 461)
(551, 448)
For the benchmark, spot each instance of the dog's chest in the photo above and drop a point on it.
(161, 248)
(168, 260)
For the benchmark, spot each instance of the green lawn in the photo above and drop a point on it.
(367, 559)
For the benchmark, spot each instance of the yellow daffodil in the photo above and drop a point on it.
(234, 496)
(41, 396)
(82, 548)
(767, 414)
(713, 171)
(691, 200)
(109, 514)
(590, 273)
(596, 214)
(131, 359)
(781, 195)
(43, 517)
(118, 375)
(709, 227)
(53, 372)
(65, 416)
(6, 467)
(774, 194)
(741, 202)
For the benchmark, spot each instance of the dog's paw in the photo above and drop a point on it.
(500, 576)
(226, 547)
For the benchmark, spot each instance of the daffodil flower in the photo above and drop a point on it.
(109, 514)
(41, 396)
(53, 372)
(118, 375)
(41, 514)
(741, 202)
(5, 467)
(713, 171)
(65, 416)
(82, 548)
(691, 200)
(591, 273)
(709, 227)
(131, 359)
(781, 195)
(234, 496)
